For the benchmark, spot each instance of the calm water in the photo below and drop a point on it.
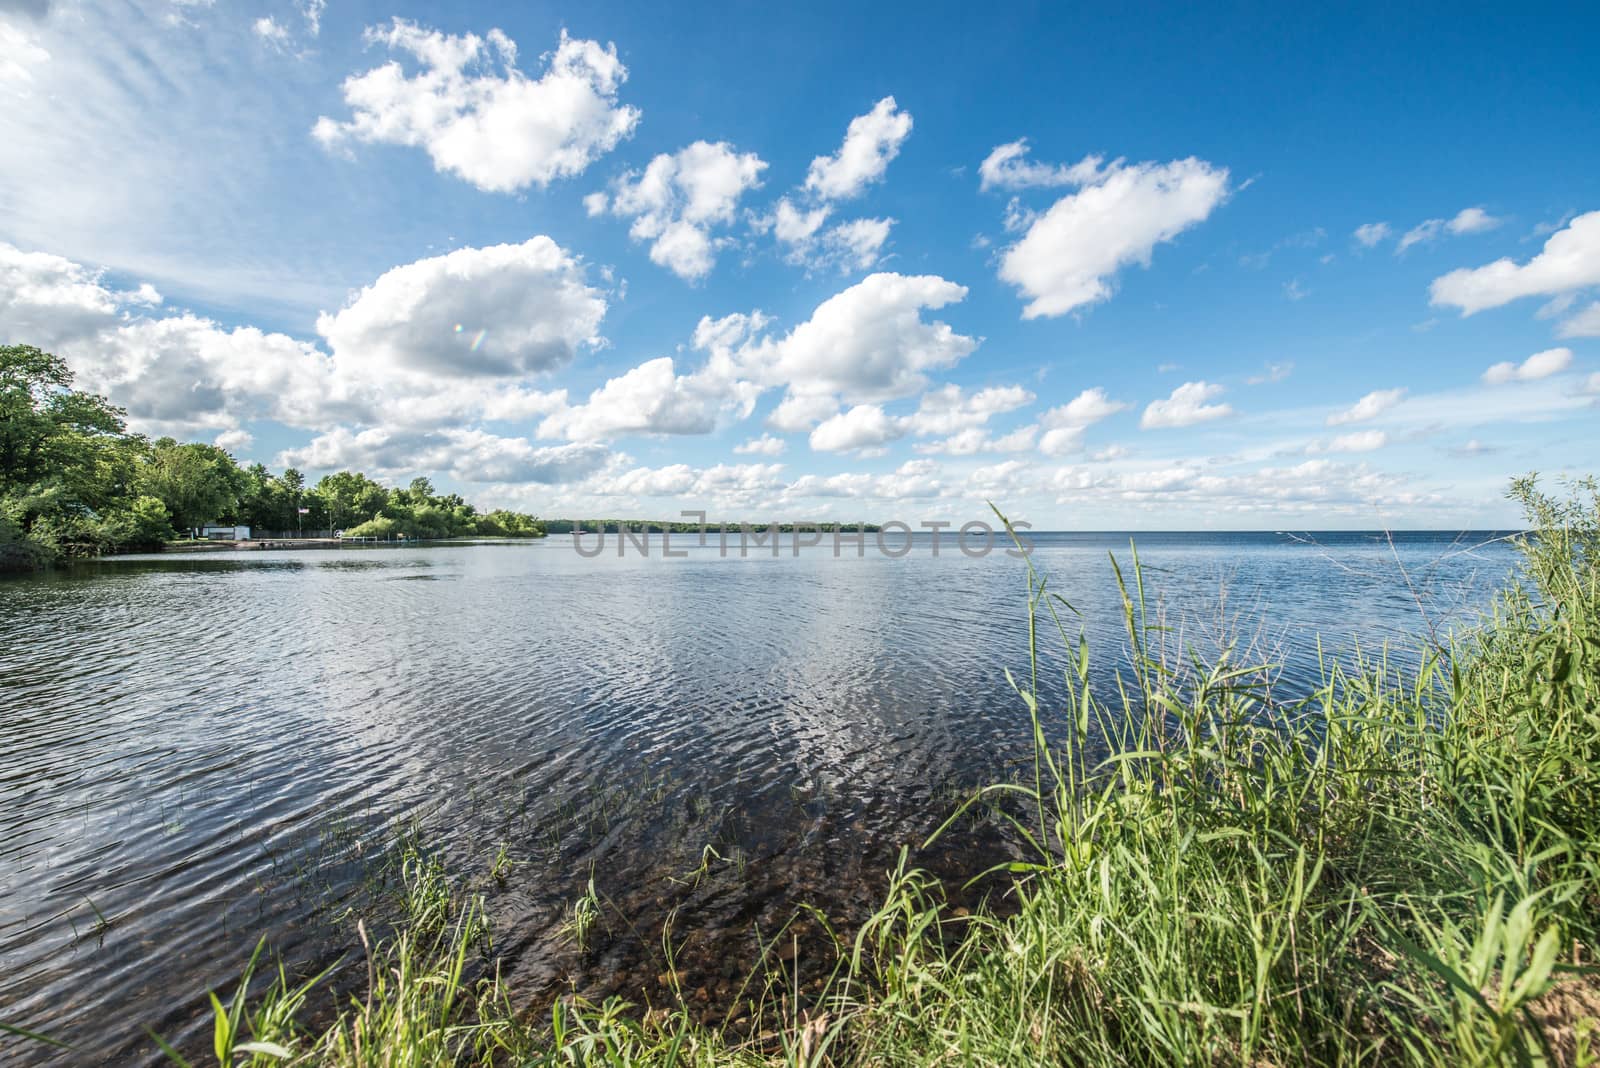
(196, 750)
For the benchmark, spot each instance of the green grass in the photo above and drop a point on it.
(1402, 868)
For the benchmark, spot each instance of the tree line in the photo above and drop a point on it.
(656, 526)
(74, 482)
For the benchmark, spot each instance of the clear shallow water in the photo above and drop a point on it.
(195, 749)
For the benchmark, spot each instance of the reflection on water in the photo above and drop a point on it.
(194, 749)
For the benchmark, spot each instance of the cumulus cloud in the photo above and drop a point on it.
(1570, 261)
(800, 412)
(853, 245)
(870, 143)
(234, 441)
(765, 445)
(1539, 365)
(1465, 221)
(949, 409)
(477, 115)
(1069, 256)
(182, 373)
(1064, 425)
(468, 455)
(679, 199)
(975, 440)
(865, 344)
(1583, 323)
(505, 310)
(1186, 407)
(912, 479)
(651, 398)
(862, 427)
(722, 483)
(1368, 407)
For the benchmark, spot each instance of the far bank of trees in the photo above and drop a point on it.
(74, 482)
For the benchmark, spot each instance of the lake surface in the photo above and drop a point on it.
(198, 750)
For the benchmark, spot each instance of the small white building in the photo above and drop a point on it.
(218, 532)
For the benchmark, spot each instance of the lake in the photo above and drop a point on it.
(198, 750)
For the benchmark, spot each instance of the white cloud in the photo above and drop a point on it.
(181, 373)
(271, 30)
(176, 373)
(1061, 441)
(1069, 256)
(505, 310)
(947, 409)
(1591, 385)
(1064, 425)
(866, 344)
(1006, 168)
(857, 244)
(680, 197)
(1539, 365)
(765, 445)
(468, 455)
(1368, 235)
(478, 116)
(912, 479)
(1465, 221)
(870, 143)
(649, 399)
(975, 440)
(1368, 407)
(1086, 409)
(862, 427)
(1185, 407)
(1356, 441)
(723, 483)
(1583, 323)
(234, 441)
(794, 226)
(799, 412)
(854, 245)
(1570, 260)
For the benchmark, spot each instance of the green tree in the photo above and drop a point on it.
(198, 483)
(351, 498)
(50, 432)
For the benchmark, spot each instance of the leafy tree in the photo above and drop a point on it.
(47, 427)
(351, 498)
(198, 483)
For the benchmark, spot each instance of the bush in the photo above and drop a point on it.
(378, 527)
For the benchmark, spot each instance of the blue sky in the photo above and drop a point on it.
(1163, 268)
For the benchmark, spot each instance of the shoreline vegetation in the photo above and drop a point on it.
(74, 483)
(1401, 868)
